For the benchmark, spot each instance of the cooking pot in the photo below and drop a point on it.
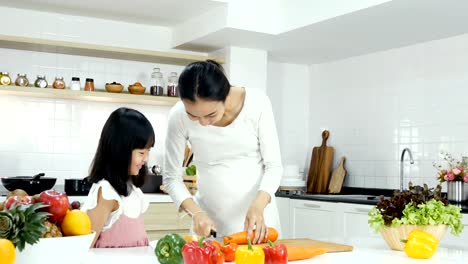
(153, 181)
(30, 184)
(77, 186)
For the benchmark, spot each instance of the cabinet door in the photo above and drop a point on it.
(355, 217)
(164, 218)
(284, 215)
(452, 241)
(312, 219)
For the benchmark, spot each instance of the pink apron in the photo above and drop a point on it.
(125, 232)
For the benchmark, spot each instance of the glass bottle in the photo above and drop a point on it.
(59, 83)
(75, 84)
(5, 78)
(41, 82)
(89, 85)
(22, 80)
(157, 82)
(172, 82)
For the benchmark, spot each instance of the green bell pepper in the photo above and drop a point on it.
(169, 249)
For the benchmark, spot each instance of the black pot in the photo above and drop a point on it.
(152, 184)
(30, 184)
(77, 187)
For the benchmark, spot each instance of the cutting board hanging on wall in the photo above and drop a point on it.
(337, 178)
(320, 166)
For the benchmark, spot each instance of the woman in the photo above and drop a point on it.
(233, 137)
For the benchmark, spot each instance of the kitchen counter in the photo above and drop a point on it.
(365, 251)
(372, 193)
(152, 197)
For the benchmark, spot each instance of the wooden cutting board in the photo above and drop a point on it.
(320, 166)
(332, 247)
(337, 178)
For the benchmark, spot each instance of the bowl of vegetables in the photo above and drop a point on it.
(419, 208)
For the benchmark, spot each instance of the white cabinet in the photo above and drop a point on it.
(284, 215)
(312, 219)
(354, 220)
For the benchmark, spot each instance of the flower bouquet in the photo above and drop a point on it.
(418, 208)
(456, 176)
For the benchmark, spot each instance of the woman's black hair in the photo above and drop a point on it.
(203, 79)
(124, 131)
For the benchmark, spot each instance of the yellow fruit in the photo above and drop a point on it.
(76, 223)
(7, 252)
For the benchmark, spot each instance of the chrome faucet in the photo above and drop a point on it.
(401, 165)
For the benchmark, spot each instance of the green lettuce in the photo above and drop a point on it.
(433, 212)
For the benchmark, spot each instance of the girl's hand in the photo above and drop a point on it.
(202, 223)
(254, 221)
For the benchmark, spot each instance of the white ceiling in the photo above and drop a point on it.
(393, 24)
(153, 12)
(389, 25)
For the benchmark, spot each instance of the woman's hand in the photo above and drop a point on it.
(202, 223)
(254, 221)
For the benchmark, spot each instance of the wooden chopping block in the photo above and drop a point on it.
(306, 242)
(320, 166)
(337, 178)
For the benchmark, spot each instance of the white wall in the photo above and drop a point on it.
(288, 89)
(378, 104)
(59, 137)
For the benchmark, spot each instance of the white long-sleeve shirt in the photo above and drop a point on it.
(233, 162)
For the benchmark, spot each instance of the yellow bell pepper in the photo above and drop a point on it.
(249, 254)
(421, 245)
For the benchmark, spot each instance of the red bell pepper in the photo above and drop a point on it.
(229, 251)
(202, 252)
(275, 254)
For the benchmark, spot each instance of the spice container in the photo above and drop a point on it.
(172, 82)
(75, 84)
(22, 80)
(41, 82)
(89, 85)
(5, 78)
(157, 83)
(59, 83)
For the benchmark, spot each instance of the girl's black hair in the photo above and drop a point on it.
(204, 79)
(125, 130)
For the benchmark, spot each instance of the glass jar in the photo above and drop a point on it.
(157, 82)
(89, 85)
(59, 83)
(5, 78)
(75, 84)
(22, 80)
(41, 82)
(172, 82)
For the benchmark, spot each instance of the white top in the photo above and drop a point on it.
(132, 206)
(233, 162)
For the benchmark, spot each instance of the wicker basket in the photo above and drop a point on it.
(394, 235)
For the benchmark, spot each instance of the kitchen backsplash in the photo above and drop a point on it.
(378, 104)
(59, 137)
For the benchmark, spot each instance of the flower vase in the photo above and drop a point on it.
(457, 191)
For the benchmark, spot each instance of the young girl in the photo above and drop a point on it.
(115, 203)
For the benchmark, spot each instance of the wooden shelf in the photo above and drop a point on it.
(96, 96)
(91, 50)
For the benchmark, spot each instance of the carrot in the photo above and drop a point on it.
(299, 253)
(240, 238)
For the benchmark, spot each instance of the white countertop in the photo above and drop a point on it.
(365, 251)
(152, 198)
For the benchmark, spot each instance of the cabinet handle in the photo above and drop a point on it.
(311, 205)
(362, 210)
